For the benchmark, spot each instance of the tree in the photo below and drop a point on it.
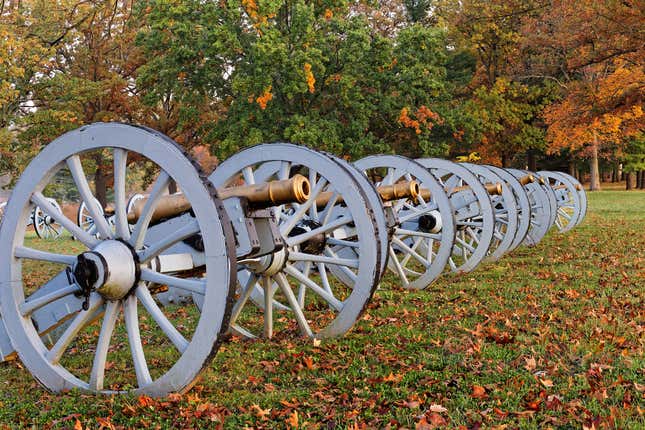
(595, 51)
(634, 159)
(507, 119)
(597, 113)
(311, 73)
(498, 114)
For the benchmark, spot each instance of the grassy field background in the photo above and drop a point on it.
(548, 337)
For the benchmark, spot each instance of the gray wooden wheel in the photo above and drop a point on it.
(582, 195)
(132, 200)
(540, 210)
(473, 211)
(85, 219)
(505, 209)
(553, 204)
(424, 233)
(117, 315)
(304, 277)
(569, 206)
(2, 205)
(521, 201)
(382, 222)
(45, 226)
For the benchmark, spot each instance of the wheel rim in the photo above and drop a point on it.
(474, 217)
(540, 210)
(85, 219)
(60, 367)
(567, 198)
(417, 257)
(581, 194)
(45, 226)
(523, 205)
(323, 304)
(505, 210)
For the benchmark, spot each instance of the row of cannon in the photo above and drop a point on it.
(278, 238)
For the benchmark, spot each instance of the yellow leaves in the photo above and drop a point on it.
(251, 8)
(265, 97)
(328, 14)
(470, 158)
(309, 76)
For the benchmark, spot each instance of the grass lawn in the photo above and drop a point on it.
(549, 337)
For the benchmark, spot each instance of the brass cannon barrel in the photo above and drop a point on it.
(273, 193)
(400, 190)
(259, 196)
(491, 188)
(564, 187)
(527, 179)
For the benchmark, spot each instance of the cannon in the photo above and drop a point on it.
(44, 226)
(218, 250)
(279, 238)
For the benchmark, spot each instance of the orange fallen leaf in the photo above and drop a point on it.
(292, 421)
(309, 362)
(478, 392)
(145, 401)
(392, 378)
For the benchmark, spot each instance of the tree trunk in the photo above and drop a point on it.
(620, 172)
(531, 160)
(642, 184)
(572, 168)
(172, 187)
(630, 180)
(506, 160)
(594, 180)
(100, 183)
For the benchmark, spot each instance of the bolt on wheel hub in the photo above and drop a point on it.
(110, 269)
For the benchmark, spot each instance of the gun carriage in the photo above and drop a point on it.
(278, 239)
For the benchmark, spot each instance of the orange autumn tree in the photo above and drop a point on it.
(595, 51)
(598, 114)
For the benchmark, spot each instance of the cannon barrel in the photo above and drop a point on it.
(526, 179)
(400, 190)
(259, 196)
(272, 193)
(493, 189)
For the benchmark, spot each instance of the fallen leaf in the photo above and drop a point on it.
(145, 401)
(392, 378)
(263, 414)
(530, 364)
(479, 392)
(309, 362)
(292, 421)
(438, 408)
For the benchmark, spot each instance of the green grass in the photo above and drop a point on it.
(551, 336)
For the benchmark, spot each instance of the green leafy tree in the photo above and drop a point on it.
(310, 73)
